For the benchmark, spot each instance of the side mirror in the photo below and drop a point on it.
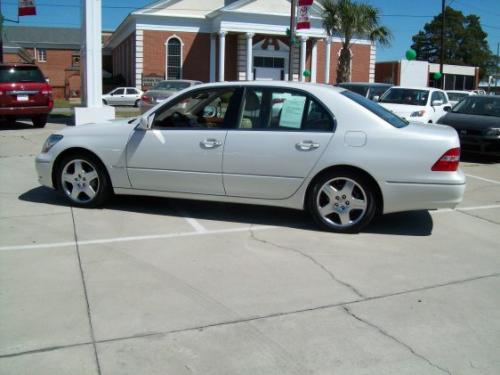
(146, 122)
(376, 98)
(447, 108)
(436, 103)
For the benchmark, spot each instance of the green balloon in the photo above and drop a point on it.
(306, 73)
(437, 75)
(411, 54)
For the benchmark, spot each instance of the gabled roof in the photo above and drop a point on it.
(42, 37)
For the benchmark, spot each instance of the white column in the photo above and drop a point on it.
(213, 42)
(222, 54)
(314, 60)
(328, 44)
(249, 56)
(91, 59)
(303, 50)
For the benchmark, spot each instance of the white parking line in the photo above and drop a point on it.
(191, 221)
(132, 238)
(483, 179)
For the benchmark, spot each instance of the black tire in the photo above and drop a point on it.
(104, 189)
(359, 222)
(39, 121)
(136, 104)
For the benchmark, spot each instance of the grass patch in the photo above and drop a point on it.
(63, 103)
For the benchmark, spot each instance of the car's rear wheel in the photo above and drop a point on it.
(39, 121)
(83, 181)
(343, 202)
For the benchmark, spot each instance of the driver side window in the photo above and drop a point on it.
(202, 109)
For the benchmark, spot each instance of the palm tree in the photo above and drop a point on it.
(348, 19)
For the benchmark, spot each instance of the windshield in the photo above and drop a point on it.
(377, 91)
(171, 86)
(11, 74)
(405, 96)
(456, 96)
(481, 106)
(380, 111)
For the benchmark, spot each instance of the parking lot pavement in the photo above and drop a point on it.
(157, 286)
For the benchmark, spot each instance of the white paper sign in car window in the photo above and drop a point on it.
(292, 111)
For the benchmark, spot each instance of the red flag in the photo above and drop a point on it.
(26, 8)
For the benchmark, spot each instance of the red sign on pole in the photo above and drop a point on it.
(303, 21)
(27, 8)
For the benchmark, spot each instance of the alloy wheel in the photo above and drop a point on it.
(80, 181)
(341, 202)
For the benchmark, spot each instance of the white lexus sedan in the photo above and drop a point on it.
(327, 150)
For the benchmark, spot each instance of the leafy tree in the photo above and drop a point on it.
(464, 41)
(348, 19)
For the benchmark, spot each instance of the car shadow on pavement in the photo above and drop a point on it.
(15, 125)
(416, 223)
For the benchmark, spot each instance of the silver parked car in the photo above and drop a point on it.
(162, 91)
(342, 157)
(123, 96)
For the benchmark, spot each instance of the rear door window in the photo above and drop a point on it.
(283, 109)
(21, 74)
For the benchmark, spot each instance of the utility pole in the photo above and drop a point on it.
(443, 8)
(293, 25)
(496, 68)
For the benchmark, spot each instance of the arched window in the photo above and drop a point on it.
(174, 58)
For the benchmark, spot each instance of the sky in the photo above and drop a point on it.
(404, 17)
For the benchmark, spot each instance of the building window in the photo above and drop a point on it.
(41, 54)
(174, 58)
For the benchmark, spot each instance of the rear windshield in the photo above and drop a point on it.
(20, 74)
(171, 86)
(380, 111)
(405, 96)
(358, 89)
(456, 96)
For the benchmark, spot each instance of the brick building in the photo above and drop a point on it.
(55, 50)
(217, 40)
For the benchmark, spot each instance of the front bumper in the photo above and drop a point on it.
(415, 196)
(43, 165)
(485, 145)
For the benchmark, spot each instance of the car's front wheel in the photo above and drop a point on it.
(343, 201)
(83, 180)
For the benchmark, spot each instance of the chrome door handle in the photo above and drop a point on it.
(306, 145)
(210, 143)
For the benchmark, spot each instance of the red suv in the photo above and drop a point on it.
(24, 93)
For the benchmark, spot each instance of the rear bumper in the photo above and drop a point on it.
(43, 165)
(410, 197)
(24, 111)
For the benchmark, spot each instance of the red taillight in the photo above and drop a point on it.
(448, 162)
(147, 99)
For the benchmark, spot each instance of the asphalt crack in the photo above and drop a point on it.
(395, 339)
(310, 258)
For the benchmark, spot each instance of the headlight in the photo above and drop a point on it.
(493, 132)
(50, 142)
(418, 113)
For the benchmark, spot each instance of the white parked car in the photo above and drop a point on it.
(455, 96)
(330, 151)
(123, 96)
(420, 104)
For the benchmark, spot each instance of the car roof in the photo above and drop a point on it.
(280, 84)
(458, 91)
